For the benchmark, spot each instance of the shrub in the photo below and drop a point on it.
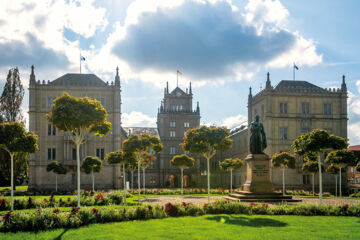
(171, 209)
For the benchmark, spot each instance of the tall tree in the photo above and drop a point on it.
(91, 164)
(231, 164)
(182, 161)
(334, 170)
(147, 160)
(15, 139)
(283, 160)
(57, 168)
(312, 167)
(137, 144)
(207, 141)
(341, 158)
(82, 117)
(318, 142)
(12, 97)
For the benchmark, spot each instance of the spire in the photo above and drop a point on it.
(167, 87)
(190, 91)
(250, 94)
(32, 75)
(268, 83)
(198, 108)
(343, 85)
(117, 78)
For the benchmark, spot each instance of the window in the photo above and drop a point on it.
(50, 101)
(304, 130)
(305, 108)
(172, 124)
(306, 179)
(357, 180)
(74, 154)
(152, 180)
(186, 124)
(327, 109)
(172, 133)
(73, 178)
(100, 153)
(51, 130)
(283, 107)
(172, 150)
(283, 134)
(351, 169)
(351, 180)
(51, 155)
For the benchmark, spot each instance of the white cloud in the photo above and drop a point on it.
(234, 121)
(354, 133)
(137, 119)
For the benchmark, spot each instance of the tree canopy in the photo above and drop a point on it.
(56, 167)
(333, 169)
(182, 161)
(341, 158)
(12, 97)
(230, 164)
(141, 143)
(147, 159)
(91, 164)
(284, 159)
(312, 167)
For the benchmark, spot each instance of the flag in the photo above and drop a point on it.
(82, 58)
(178, 72)
(296, 67)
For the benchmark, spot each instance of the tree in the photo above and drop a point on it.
(182, 161)
(317, 142)
(312, 167)
(147, 160)
(57, 168)
(283, 160)
(21, 167)
(207, 141)
(91, 164)
(132, 167)
(136, 144)
(123, 158)
(81, 117)
(341, 158)
(15, 139)
(12, 97)
(229, 165)
(334, 170)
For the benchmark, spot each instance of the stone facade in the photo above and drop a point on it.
(56, 145)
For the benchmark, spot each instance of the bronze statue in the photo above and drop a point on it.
(257, 137)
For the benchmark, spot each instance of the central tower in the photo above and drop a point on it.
(175, 117)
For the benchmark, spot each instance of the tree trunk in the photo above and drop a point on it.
(283, 173)
(12, 180)
(124, 184)
(132, 181)
(313, 183)
(144, 180)
(208, 177)
(139, 181)
(340, 193)
(93, 182)
(56, 188)
(320, 178)
(336, 191)
(231, 180)
(182, 181)
(78, 173)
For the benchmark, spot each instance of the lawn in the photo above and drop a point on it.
(211, 227)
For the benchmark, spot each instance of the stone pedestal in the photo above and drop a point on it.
(258, 174)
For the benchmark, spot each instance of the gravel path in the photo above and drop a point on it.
(200, 200)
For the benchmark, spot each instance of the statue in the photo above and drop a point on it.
(257, 137)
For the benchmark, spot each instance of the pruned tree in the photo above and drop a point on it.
(341, 158)
(15, 139)
(312, 167)
(124, 159)
(334, 170)
(81, 117)
(207, 141)
(229, 165)
(91, 164)
(57, 168)
(12, 97)
(137, 144)
(317, 142)
(132, 167)
(283, 160)
(182, 161)
(147, 160)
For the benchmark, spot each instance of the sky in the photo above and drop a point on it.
(221, 46)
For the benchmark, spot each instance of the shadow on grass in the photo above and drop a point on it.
(61, 234)
(246, 221)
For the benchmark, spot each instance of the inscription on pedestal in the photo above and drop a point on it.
(260, 170)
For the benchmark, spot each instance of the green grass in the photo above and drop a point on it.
(22, 188)
(211, 227)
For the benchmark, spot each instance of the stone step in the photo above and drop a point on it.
(232, 199)
(262, 196)
(251, 193)
(269, 200)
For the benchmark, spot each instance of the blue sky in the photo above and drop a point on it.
(222, 47)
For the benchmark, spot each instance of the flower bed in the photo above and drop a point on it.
(187, 191)
(304, 193)
(53, 218)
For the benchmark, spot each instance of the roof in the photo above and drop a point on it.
(79, 80)
(354, 148)
(286, 84)
(177, 89)
(141, 130)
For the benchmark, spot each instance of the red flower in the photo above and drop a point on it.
(56, 210)
(253, 204)
(75, 210)
(69, 199)
(7, 218)
(184, 204)
(94, 210)
(99, 197)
